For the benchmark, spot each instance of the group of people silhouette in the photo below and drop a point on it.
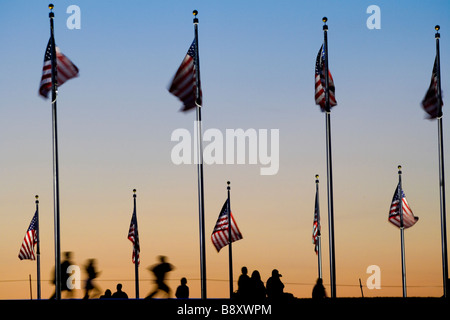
(249, 287)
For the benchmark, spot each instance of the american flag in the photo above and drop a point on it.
(316, 225)
(65, 70)
(394, 212)
(430, 102)
(320, 82)
(220, 233)
(184, 84)
(133, 236)
(30, 240)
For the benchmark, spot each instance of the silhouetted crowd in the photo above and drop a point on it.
(250, 288)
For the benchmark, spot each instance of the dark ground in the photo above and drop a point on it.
(361, 308)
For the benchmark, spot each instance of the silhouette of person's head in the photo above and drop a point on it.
(276, 274)
(244, 270)
(162, 259)
(319, 281)
(256, 275)
(119, 287)
(183, 281)
(108, 293)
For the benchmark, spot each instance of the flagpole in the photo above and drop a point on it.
(329, 167)
(230, 252)
(402, 229)
(38, 251)
(55, 162)
(136, 262)
(441, 167)
(319, 251)
(201, 208)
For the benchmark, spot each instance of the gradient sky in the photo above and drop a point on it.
(257, 70)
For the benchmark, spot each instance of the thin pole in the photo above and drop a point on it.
(230, 252)
(55, 163)
(329, 168)
(136, 262)
(402, 229)
(31, 289)
(201, 206)
(319, 251)
(38, 251)
(441, 169)
(361, 287)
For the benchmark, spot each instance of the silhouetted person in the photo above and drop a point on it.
(257, 290)
(182, 290)
(64, 275)
(274, 286)
(107, 294)
(319, 290)
(92, 274)
(243, 284)
(160, 271)
(119, 294)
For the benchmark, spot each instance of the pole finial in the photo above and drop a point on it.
(36, 196)
(399, 169)
(134, 193)
(195, 13)
(51, 14)
(228, 185)
(325, 27)
(437, 28)
(317, 178)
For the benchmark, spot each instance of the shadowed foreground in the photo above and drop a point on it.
(225, 308)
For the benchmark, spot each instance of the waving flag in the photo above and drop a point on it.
(316, 226)
(30, 240)
(320, 82)
(430, 102)
(184, 84)
(133, 236)
(65, 70)
(394, 213)
(220, 233)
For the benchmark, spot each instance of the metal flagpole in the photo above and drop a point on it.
(230, 252)
(319, 251)
(441, 168)
(55, 162)
(201, 206)
(136, 239)
(38, 251)
(402, 229)
(329, 167)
